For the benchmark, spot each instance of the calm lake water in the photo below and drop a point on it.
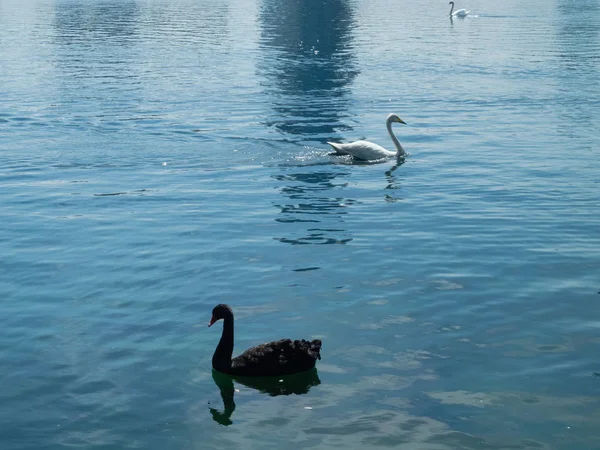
(158, 157)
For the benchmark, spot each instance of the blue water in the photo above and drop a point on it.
(158, 157)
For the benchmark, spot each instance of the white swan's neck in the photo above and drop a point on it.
(451, 7)
(399, 150)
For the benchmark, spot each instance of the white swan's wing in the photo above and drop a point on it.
(338, 148)
(363, 150)
(460, 13)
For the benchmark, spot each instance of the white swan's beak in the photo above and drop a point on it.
(401, 121)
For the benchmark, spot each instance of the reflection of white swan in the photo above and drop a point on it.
(368, 151)
(458, 12)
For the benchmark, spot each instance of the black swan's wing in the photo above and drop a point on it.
(282, 357)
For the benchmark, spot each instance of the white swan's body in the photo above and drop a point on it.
(367, 151)
(458, 12)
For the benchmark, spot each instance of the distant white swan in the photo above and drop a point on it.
(458, 12)
(367, 151)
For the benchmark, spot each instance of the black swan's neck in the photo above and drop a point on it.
(222, 358)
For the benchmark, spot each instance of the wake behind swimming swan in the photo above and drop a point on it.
(368, 151)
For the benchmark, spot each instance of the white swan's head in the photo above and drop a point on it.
(395, 118)
(451, 3)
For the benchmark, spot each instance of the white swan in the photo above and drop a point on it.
(458, 12)
(367, 151)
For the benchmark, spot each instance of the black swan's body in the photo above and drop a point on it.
(284, 357)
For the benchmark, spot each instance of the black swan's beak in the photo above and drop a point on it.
(212, 320)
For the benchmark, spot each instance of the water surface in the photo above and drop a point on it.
(158, 157)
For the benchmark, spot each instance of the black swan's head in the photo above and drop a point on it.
(220, 312)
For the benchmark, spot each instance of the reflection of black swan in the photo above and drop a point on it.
(275, 358)
(291, 384)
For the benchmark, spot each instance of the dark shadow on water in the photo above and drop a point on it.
(97, 23)
(308, 65)
(108, 58)
(94, 58)
(577, 31)
(273, 386)
(311, 200)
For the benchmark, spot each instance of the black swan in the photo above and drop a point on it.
(284, 357)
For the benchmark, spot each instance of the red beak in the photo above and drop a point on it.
(212, 320)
